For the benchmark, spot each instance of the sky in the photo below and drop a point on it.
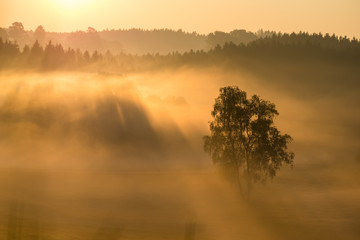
(341, 17)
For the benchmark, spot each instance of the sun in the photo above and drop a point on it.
(71, 3)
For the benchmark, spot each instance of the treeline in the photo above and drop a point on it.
(132, 41)
(296, 47)
(56, 57)
(38, 58)
(278, 47)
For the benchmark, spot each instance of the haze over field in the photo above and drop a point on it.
(89, 155)
(101, 131)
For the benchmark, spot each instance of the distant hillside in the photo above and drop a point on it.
(277, 50)
(132, 41)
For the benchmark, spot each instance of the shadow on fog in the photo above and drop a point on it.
(112, 125)
(87, 163)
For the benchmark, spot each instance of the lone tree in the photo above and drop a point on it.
(244, 139)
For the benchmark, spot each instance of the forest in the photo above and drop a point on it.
(134, 41)
(278, 47)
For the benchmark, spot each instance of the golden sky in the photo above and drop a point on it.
(334, 16)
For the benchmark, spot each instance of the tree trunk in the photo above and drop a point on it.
(249, 185)
(238, 180)
(248, 179)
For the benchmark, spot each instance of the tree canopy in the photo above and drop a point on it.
(243, 136)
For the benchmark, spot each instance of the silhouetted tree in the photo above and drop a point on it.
(9, 52)
(36, 55)
(54, 56)
(3, 34)
(39, 34)
(25, 56)
(16, 28)
(86, 56)
(244, 139)
(18, 33)
(91, 30)
(36, 49)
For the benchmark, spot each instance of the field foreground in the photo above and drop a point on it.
(101, 156)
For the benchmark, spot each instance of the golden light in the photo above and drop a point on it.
(71, 3)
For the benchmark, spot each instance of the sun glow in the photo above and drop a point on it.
(71, 3)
